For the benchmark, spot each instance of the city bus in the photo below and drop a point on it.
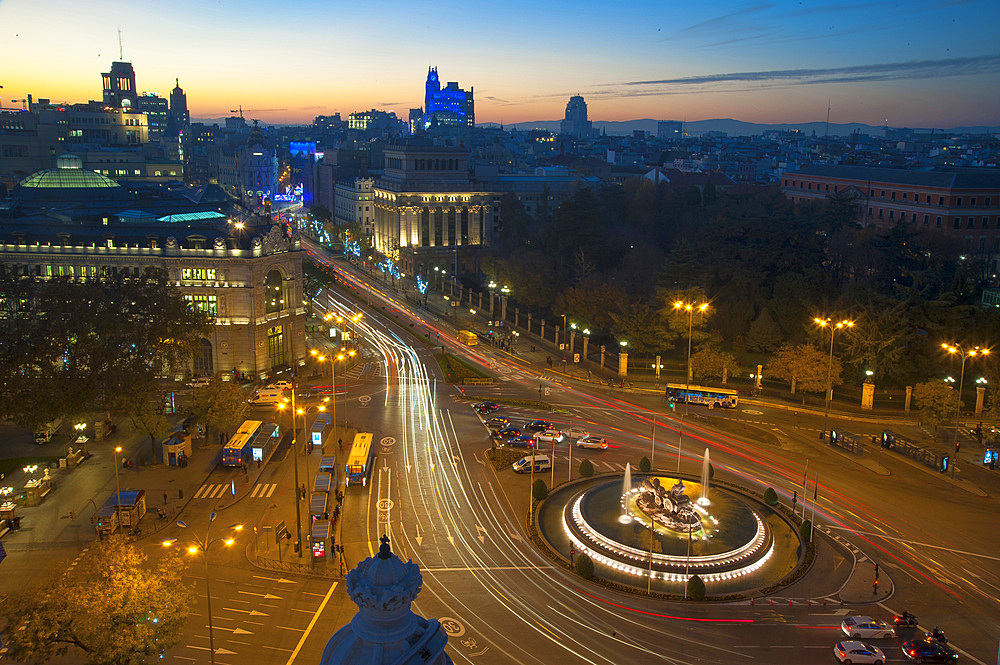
(265, 442)
(468, 337)
(359, 461)
(237, 451)
(701, 395)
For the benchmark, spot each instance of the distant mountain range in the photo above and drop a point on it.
(741, 128)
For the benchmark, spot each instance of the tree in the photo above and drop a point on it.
(219, 404)
(113, 607)
(144, 408)
(645, 465)
(586, 468)
(877, 339)
(805, 531)
(805, 366)
(713, 363)
(937, 401)
(770, 497)
(584, 566)
(764, 335)
(539, 490)
(696, 588)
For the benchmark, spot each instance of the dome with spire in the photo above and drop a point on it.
(385, 629)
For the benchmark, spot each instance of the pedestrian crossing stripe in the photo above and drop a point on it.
(217, 490)
(263, 491)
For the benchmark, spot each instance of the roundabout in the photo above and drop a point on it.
(654, 531)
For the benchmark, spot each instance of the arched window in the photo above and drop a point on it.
(203, 358)
(274, 299)
(275, 346)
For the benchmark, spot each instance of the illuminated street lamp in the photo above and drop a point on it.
(202, 546)
(834, 327)
(965, 353)
(118, 487)
(690, 308)
(295, 465)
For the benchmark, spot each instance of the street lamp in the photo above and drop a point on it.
(295, 465)
(965, 353)
(834, 327)
(690, 308)
(202, 546)
(118, 487)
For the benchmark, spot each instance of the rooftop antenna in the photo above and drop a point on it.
(121, 50)
(826, 133)
(239, 110)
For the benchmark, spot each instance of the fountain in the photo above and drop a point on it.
(626, 489)
(703, 499)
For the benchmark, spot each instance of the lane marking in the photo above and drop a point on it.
(302, 640)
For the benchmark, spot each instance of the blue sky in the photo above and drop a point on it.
(914, 63)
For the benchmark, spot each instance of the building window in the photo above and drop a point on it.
(957, 223)
(972, 223)
(203, 358)
(892, 214)
(880, 213)
(958, 201)
(110, 243)
(204, 303)
(986, 222)
(904, 196)
(989, 201)
(938, 222)
(199, 274)
(940, 200)
(275, 346)
(882, 194)
(273, 298)
(927, 220)
(892, 195)
(972, 201)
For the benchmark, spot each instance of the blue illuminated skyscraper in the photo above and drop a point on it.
(449, 105)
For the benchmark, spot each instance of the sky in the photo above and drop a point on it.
(914, 63)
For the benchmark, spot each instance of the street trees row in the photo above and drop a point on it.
(70, 347)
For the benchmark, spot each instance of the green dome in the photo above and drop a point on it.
(69, 183)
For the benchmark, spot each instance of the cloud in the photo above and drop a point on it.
(725, 20)
(497, 100)
(922, 69)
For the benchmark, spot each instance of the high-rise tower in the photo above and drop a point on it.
(575, 122)
(119, 85)
(449, 105)
(179, 118)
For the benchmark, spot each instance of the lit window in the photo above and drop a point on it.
(204, 303)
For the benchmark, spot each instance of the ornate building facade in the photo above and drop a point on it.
(427, 210)
(447, 106)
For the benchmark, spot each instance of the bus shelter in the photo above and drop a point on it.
(322, 483)
(318, 431)
(320, 534)
(318, 505)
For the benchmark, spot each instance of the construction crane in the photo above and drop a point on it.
(240, 111)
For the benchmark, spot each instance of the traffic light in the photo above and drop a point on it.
(876, 572)
(958, 444)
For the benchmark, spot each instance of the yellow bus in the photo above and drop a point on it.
(237, 451)
(359, 461)
(468, 338)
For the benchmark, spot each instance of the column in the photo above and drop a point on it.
(555, 337)
(586, 342)
(517, 314)
(980, 398)
(867, 395)
(529, 322)
(542, 334)
(623, 364)
(572, 343)
(602, 355)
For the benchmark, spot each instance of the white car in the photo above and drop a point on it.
(591, 441)
(280, 385)
(550, 435)
(864, 627)
(200, 382)
(858, 652)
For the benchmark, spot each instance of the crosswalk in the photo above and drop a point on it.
(217, 490)
(371, 368)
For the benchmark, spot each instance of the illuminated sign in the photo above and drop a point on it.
(290, 195)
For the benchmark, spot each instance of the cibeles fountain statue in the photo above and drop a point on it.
(385, 630)
(671, 508)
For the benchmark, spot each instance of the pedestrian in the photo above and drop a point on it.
(539, 390)
(220, 438)
(164, 498)
(340, 442)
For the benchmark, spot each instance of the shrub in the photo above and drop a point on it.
(805, 530)
(586, 468)
(645, 465)
(539, 490)
(711, 472)
(695, 588)
(584, 566)
(770, 497)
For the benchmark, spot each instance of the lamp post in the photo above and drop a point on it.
(295, 465)
(965, 353)
(834, 327)
(202, 546)
(118, 486)
(562, 340)
(690, 308)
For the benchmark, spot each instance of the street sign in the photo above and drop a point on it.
(279, 532)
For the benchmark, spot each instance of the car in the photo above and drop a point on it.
(537, 426)
(550, 435)
(200, 382)
(280, 385)
(591, 441)
(486, 407)
(929, 651)
(522, 441)
(496, 422)
(865, 627)
(523, 465)
(858, 652)
(506, 433)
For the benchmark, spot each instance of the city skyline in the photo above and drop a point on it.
(932, 65)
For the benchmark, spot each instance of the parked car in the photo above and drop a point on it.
(506, 433)
(865, 627)
(538, 426)
(200, 382)
(522, 441)
(591, 441)
(280, 385)
(496, 422)
(929, 651)
(523, 465)
(858, 652)
(485, 407)
(550, 435)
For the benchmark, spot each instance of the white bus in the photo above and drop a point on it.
(678, 392)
